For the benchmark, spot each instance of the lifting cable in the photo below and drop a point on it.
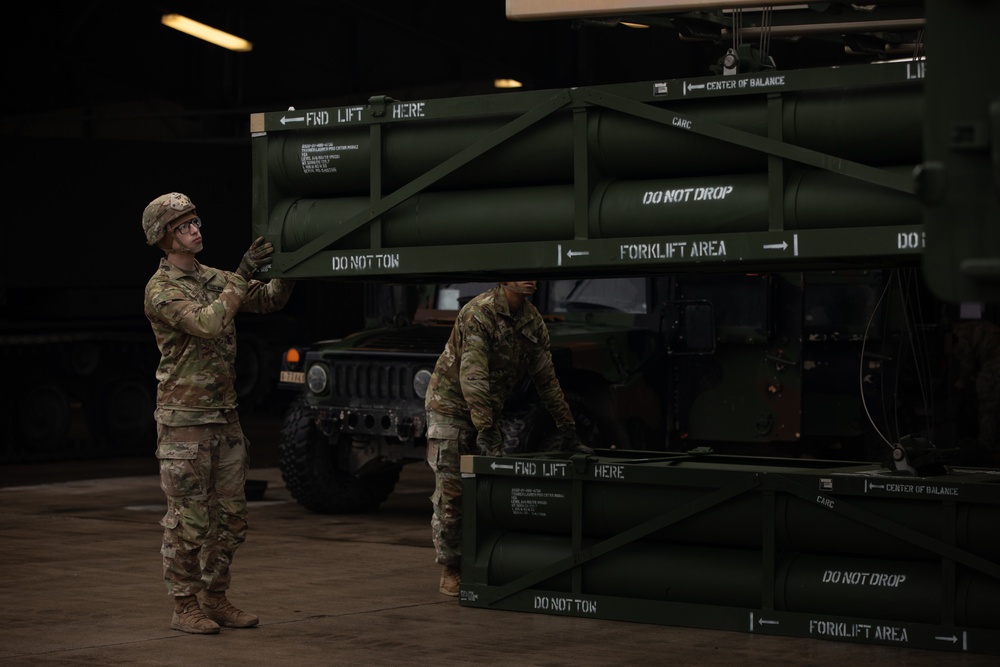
(918, 46)
(913, 316)
(737, 28)
(764, 45)
(918, 347)
(861, 369)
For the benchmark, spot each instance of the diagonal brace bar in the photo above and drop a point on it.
(840, 506)
(626, 537)
(427, 179)
(750, 140)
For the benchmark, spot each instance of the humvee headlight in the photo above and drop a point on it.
(317, 378)
(420, 382)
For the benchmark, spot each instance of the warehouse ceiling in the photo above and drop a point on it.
(109, 69)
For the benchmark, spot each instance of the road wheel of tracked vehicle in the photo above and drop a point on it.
(529, 427)
(256, 368)
(42, 418)
(120, 412)
(310, 466)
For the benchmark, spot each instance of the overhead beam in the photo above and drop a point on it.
(526, 10)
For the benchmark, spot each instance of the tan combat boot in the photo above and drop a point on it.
(220, 610)
(450, 579)
(188, 617)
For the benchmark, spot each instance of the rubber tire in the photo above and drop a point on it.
(309, 468)
(120, 412)
(256, 370)
(42, 418)
(529, 428)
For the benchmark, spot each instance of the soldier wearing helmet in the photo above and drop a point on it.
(200, 444)
(161, 212)
(499, 337)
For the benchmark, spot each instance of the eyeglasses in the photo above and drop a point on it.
(185, 227)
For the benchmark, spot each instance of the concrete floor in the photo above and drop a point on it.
(80, 584)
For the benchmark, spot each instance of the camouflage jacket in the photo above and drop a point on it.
(975, 343)
(488, 353)
(192, 318)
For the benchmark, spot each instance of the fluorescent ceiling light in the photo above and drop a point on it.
(206, 32)
(507, 83)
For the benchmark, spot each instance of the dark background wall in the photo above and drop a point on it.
(103, 109)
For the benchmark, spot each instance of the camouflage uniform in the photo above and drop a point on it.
(488, 353)
(977, 352)
(200, 445)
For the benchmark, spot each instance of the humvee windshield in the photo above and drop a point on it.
(624, 295)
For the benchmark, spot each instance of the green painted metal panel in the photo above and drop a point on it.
(652, 176)
(960, 181)
(830, 550)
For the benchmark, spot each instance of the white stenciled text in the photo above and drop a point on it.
(681, 195)
(667, 250)
(855, 578)
(366, 262)
(349, 114)
(565, 605)
(408, 110)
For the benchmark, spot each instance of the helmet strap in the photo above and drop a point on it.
(182, 251)
(168, 246)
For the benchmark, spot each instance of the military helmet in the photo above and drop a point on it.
(161, 211)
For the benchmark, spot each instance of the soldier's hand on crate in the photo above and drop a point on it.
(568, 441)
(490, 442)
(259, 255)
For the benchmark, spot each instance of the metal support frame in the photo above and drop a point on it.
(834, 489)
(649, 101)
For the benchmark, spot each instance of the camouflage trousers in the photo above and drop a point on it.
(448, 438)
(988, 396)
(202, 472)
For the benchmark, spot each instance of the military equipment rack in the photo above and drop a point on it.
(806, 548)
